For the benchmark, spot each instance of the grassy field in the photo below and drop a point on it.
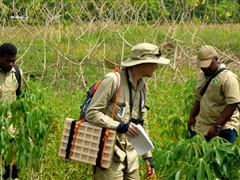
(62, 63)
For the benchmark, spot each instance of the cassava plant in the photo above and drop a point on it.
(32, 121)
(196, 158)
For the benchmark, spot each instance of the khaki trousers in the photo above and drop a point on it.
(117, 171)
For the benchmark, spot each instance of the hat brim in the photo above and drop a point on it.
(133, 62)
(204, 64)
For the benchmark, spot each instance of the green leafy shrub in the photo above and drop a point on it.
(33, 123)
(199, 159)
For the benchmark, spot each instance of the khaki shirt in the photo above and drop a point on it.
(123, 148)
(8, 87)
(222, 90)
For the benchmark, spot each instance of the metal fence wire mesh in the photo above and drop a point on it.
(59, 42)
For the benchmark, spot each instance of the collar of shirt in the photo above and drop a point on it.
(140, 82)
(12, 70)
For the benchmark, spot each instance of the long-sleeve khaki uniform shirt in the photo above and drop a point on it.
(222, 90)
(123, 150)
(9, 85)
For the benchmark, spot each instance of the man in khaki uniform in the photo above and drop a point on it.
(215, 113)
(9, 86)
(143, 61)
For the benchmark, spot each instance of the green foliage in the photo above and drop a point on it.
(50, 165)
(170, 109)
(67, 12)
(196, 158)
(32, 122)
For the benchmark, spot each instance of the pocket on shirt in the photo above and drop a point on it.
(215, 93)
(10, 90)
(11, 86)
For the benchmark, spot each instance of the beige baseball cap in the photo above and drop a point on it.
(205, 56)
(145, 53)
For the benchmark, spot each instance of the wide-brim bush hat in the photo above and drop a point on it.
(205, 56)
(145, 53)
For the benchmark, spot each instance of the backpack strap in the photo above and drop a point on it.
(73, 137)
(210, 79)
(106, 131)
(115, 95)
(18, 76)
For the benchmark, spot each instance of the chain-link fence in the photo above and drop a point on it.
(69, 43)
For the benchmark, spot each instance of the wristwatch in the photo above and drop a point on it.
(218, 127)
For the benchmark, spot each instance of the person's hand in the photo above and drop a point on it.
(128, 128)
(213, 132)
(132, 131)
(150, 168)
(191, 123)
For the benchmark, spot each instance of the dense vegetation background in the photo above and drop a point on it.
(64, 46)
